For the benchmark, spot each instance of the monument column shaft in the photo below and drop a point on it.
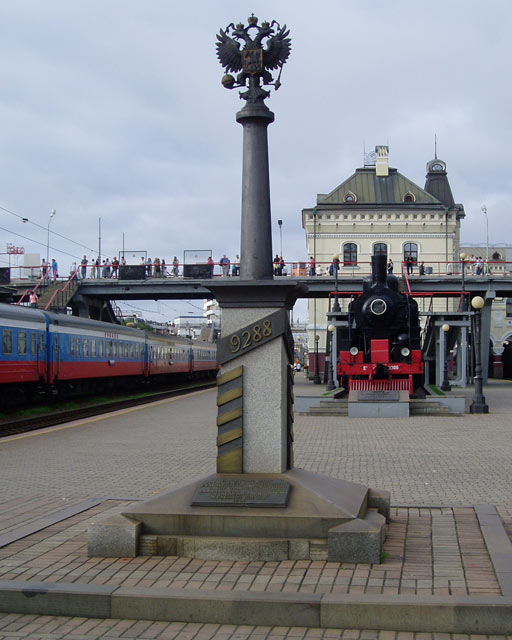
(256, 234)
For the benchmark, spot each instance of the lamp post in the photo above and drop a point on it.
(484, 211)
(446, 385)
(479, 404)
(52, 213)
(280, 223)
(332, 360)
(336, 266)
(462, 259)
(316, 377)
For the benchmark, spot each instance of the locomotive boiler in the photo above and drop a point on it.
(379, 346)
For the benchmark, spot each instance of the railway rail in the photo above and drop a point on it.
(24, 425)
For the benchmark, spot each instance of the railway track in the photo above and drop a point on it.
(14, 427)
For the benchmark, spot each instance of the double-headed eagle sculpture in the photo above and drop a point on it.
(253, 62)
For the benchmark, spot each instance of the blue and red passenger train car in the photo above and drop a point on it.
(42, 351)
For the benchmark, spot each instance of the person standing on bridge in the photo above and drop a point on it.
(224, 263)
(55, 269)
(83, 267)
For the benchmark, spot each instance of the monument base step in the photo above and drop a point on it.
(358, 540)
(322, 518)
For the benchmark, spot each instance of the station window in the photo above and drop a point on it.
(32, 344)
(86, 347)
(349, 254)
(509, 307)
(22, 343)
(72, 346)
(380, 249)
(6, 341)
(411, 249)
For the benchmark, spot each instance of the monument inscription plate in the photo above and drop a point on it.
(242, 492)
(379, 396)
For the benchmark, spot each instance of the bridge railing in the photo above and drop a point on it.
(301, 269)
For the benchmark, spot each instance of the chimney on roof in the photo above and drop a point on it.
(382, 165)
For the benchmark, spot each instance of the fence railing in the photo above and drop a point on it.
(491, 268)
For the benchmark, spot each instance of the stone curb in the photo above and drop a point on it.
(451, 614)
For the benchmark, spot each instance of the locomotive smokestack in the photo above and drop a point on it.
(379, 272)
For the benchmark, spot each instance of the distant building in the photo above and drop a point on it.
(189, 326)
(377, 210)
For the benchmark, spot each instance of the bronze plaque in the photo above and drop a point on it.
(242, 492)
(379, 396)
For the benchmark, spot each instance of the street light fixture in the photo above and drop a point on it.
(52, 213)
(280, 223)
(462, 257)
(484, 211)
(446, 385)
(316, 378)
(479, 404)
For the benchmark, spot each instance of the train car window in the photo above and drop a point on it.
(55, 344)
(6, 341)
(72, 346)
(78, 351)
(41, 343)
(101, 348)
(93, 348)
(22, 343)
(32, 344)
(131, 350)
(86, 347)
(125, 349)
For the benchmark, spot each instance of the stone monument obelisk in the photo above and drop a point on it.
(257, 506)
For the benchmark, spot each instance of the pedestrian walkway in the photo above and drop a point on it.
(446, 548)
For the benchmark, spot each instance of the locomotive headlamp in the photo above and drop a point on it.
(378, 307)
(405, 351)
(354, 351)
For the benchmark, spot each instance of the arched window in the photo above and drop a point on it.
(380, 249)
(409, 197)
(349, 254)
(496, 256)
(411, 249)
(350, 196)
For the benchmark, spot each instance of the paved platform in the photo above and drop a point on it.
(448, 550)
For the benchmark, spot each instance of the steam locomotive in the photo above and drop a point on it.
(379, 345)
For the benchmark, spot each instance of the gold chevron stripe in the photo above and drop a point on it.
(228, 436)
(229, 415)
(229, 395)
(230, 375)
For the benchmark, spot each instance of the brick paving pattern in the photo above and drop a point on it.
(451, 461)
(31, 627)
(427, 551)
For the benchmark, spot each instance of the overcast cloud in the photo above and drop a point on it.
(114, 109)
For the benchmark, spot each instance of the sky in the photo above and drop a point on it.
(114, 110)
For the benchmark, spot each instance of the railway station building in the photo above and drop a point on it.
(378, 210)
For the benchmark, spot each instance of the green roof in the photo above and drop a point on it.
(371, 189)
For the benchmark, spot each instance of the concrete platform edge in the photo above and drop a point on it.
(447, 614)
